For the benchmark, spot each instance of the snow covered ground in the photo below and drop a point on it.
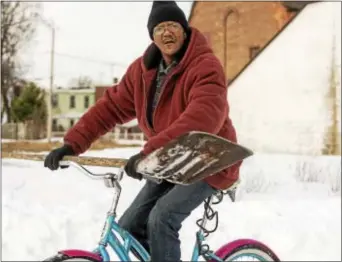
(289, 202)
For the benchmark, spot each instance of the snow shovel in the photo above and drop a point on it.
(184, 160)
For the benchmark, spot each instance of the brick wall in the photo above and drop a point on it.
(234, 28)
(99, 91)
(284, 101)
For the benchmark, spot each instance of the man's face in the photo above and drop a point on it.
(169, 37)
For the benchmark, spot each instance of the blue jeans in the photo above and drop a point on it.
(156, 214)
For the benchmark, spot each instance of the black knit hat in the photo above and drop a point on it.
(165, 11)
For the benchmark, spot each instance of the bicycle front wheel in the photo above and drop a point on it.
(67, 257)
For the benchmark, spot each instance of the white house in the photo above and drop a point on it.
(280, 103)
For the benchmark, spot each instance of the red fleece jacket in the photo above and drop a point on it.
(194, 98)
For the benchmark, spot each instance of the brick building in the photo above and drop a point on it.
(99, 90)
(237, 31)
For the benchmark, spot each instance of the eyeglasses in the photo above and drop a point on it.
(173, 27)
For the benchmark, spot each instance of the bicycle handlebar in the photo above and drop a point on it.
(107, 176)
(85, 171)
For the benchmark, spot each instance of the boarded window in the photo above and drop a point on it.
(86, 101)
(72, 102)
(54, 100)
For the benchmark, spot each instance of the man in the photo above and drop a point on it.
(176, 86)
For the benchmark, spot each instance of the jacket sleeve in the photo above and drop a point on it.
(116, 106)
(207, 107)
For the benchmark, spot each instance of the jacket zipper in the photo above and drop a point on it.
(145, 107)
(160, 96)
(167, 79)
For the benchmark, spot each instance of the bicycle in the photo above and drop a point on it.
(228, 252)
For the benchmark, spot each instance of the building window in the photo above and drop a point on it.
(86, 101)
(54, 125)
(72, 102)
(72, 121)
(253, 51)
(54, 100)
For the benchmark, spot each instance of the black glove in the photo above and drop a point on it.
(130, 167)
(56, 155)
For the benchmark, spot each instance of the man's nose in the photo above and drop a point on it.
(167, 32)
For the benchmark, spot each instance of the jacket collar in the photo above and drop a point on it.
(194, 46)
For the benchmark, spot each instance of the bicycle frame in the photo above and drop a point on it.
(109, 237)
(111, 228)
(196, 251)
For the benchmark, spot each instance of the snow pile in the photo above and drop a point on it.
(43, 211)
(291, 175)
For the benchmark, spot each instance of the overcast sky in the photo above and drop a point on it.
(113, 32)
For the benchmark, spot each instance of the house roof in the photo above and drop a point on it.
(68, 90)
(294, 6)
(103, 86)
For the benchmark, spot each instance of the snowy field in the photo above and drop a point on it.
(291, 203)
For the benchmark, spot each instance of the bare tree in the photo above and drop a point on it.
(85, 81)
(18, 23)
(81, 82)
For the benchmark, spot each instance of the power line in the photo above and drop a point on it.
(89, 59)
(41, 78)
(51, 24)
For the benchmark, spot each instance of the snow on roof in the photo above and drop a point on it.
(131, 123)
(69, 90)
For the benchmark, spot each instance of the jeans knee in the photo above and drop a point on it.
(161, 218)
(127, 223)
(155, 218)
(158, 217)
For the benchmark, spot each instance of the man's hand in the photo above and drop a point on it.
(56, 155)
(130, 167)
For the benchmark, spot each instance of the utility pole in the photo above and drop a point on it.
(49, 104)
(50, 91)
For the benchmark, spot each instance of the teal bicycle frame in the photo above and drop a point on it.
(112, 230)
(109, 237)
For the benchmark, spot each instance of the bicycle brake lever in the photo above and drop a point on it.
(109, 181)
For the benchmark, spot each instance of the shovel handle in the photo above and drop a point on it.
(81, 160)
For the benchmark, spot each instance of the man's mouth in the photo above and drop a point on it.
(166, 42)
